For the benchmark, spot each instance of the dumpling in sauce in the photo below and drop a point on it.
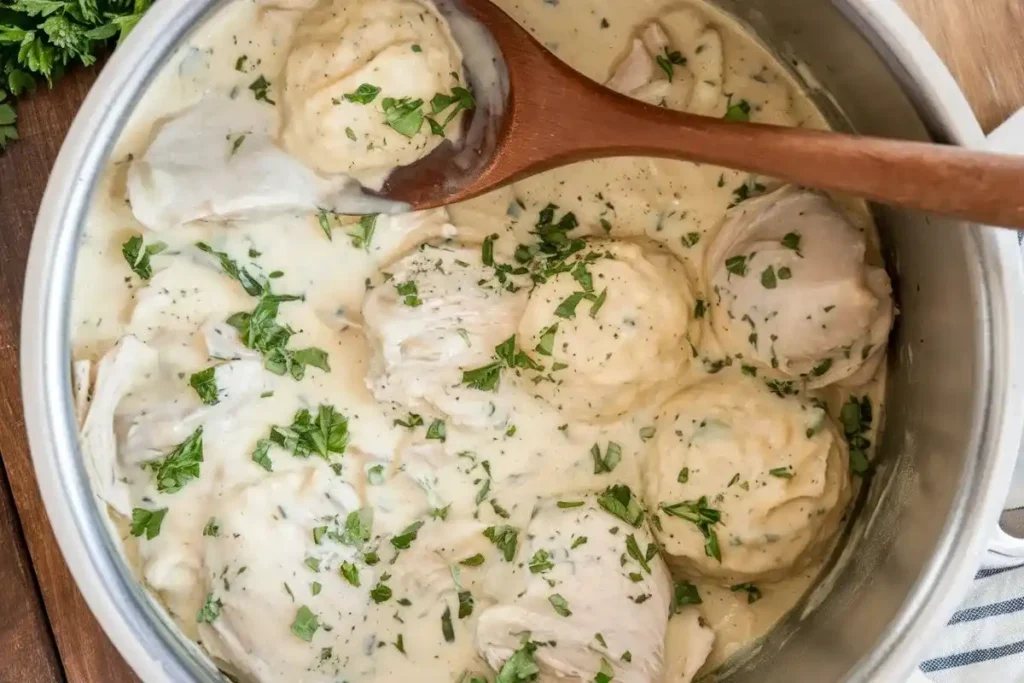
(614, 326)
(581, 604)
(354, 77)
(791, 293)
(748, 485)
(442, 313)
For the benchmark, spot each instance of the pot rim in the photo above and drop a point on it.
(133, 623)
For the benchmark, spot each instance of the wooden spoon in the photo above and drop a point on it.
(535, 113)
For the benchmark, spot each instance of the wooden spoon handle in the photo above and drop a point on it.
(977, 186)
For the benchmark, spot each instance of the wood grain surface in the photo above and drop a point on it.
(981, 40)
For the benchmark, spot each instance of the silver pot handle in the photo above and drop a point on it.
(1005, 550)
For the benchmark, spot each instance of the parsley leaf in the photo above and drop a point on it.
(205, 384)
(505, 537)
(620, 501)
(180, 466)
(521, 667)
(560, 604)
(752, 591)
(210, 610)
(364, 94)
(260, 87)
(704, 517)
(147, 522)
(323, 435)
(250, 284)
(685, 593)
(305, 624)
(404, 115)
(137, 256)
(260, 331)
(738, 112)
(363, 235)
(609, 461)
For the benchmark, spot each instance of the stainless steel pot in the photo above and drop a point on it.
(953, 420)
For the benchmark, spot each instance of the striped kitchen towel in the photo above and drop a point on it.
(984, 640)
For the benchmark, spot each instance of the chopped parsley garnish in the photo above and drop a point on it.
(357, 530)
(261, 456)
(506, 355)
(647, 433)
(210, 610)
(560, 604)
(822, 367)
(505, 537)
(460, 97)
(738, 112)
(620, 501)
(749, 370)
(147, 522)
(260, 87)
(781, 387)
(768, 280)
(404, 115)
(855, 416)
(750, 188)
(737, 265)
(547, 340)
(577, 542)
(465, 604)
(138, 255)
(598, 303)
(364, 94)
(785, 273)
(411, 293)
(567, 309)
(237, 144)
(669, 61)
(782, 472)
(700, 308)
(305, 624)
(643, 558)
(690, 239)
(205, 384)
(410, 422)
(250, 284)
(752, 591)
(791, 240)
(606, 673)
(684, 593)
(441, 513)
(684, 475)
(408, 535)
(261, 332)
(521, 667)
(541, 562)
(180, 466)
(447, 630)
(473, 561)
(704, 517)
(609, 461)
(211, 528)
(375, 475)
(570, 504)
(362, 236)
(400, 643)
(437, 431)
(380, 593)
(323, 435)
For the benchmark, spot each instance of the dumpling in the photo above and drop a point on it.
(676, 62)
(584, 605)
(747, 485)
(790, 292)
(614, 327)
(357, 65)
(442, 312)
(263, 618)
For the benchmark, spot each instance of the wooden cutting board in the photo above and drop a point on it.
(46, 631)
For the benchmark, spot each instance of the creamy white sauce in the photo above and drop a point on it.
(258, 554)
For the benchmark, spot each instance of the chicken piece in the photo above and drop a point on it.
(265, 630)
(442, 313)
(335, 127)
(581, 598)
(792, 293)
(119, 372)
(676, 62)
(748, 485)
(617, 303)
(218, 161)
(172, 411)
